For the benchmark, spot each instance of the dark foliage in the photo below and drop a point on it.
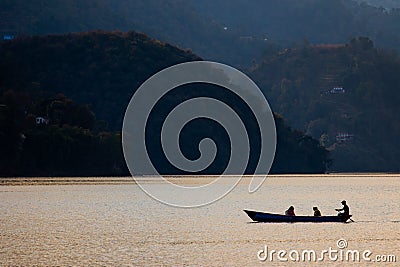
(54, 137)
(100, 68)
(104, 70)
(299, 83)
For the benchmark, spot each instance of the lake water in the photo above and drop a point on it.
(119, 225)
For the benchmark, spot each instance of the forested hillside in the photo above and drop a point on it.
(100, 68)
(63, 98)
(344, 95)
(44, 134)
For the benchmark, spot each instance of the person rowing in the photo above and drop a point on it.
(345, 211)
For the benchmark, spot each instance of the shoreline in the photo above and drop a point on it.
(22, 181)
(27, 181)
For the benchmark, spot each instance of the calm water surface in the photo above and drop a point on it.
(117, 225)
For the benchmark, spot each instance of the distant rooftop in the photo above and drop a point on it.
(8, 37)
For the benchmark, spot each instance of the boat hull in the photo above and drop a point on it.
(270, 217)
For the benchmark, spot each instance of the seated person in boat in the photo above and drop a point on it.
(345, 210)
(290, 211)
(316, 211)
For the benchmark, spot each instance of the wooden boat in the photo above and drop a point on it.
(270, 217)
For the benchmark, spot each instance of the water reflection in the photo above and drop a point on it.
(120, 225)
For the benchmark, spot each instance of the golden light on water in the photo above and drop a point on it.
(117, 224)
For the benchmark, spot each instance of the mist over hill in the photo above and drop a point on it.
(287, 21)
(388, 4)
(175, 22)
(234, 32)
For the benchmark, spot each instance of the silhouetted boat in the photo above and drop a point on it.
(270, 217)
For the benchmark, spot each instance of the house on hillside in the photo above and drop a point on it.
(8, 37)
(344, 137)
(337, 90)
(333, 91)
(7, 26)
(42, 121)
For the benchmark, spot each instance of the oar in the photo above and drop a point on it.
(349, 218)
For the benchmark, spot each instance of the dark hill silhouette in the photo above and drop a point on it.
(100, 68)
(99, 71)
